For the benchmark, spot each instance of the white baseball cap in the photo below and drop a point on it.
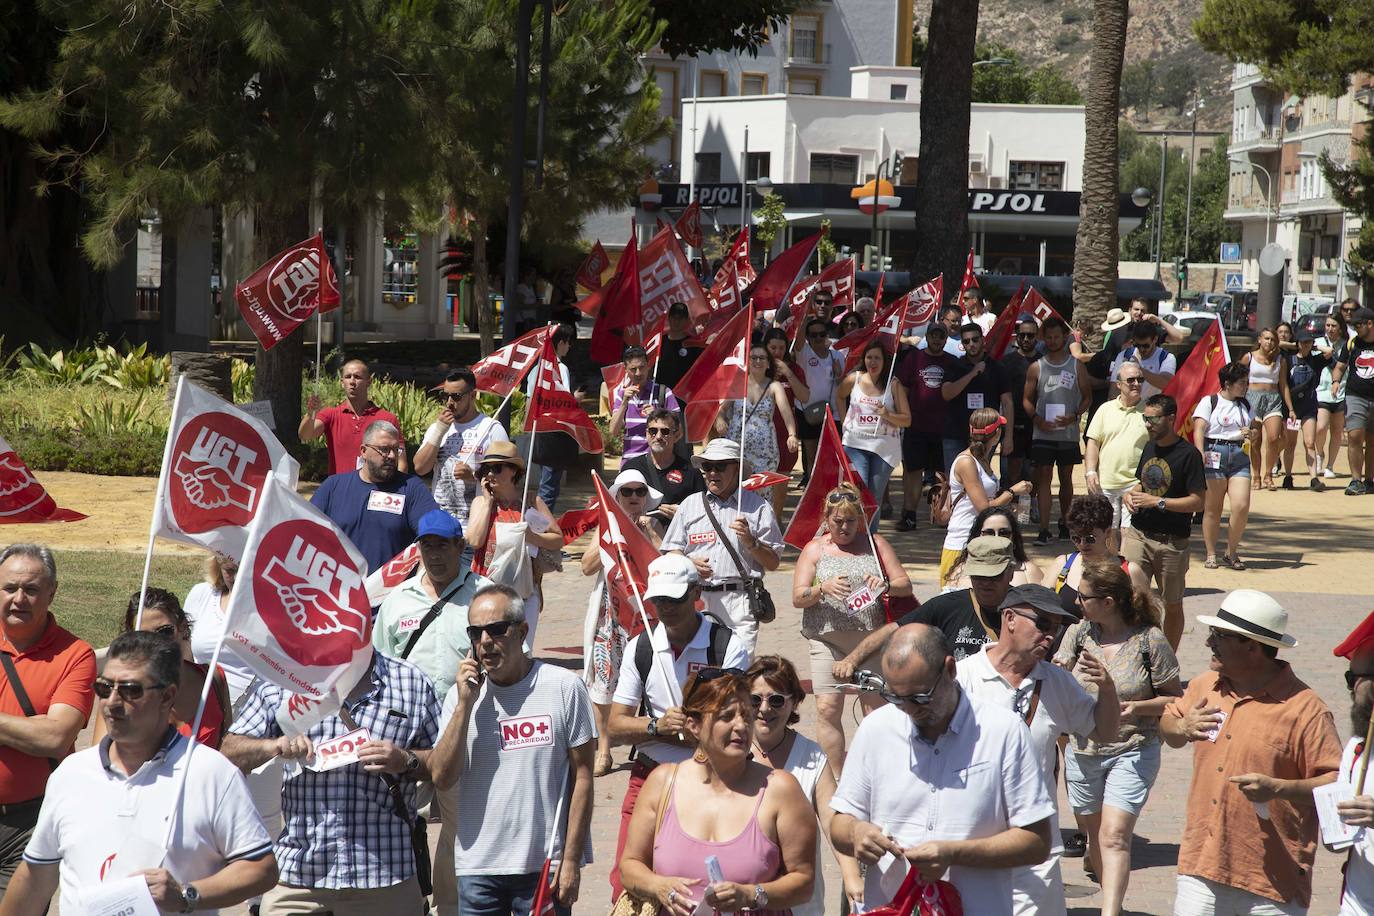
(670, 576)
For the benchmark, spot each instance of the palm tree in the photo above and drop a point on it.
(1095, 250)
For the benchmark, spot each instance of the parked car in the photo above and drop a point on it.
(1192, 321)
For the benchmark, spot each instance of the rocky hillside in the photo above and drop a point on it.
(1160, 31)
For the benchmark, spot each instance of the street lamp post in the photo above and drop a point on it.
(1268, 189)
(877, 179)
(1159, 211)
(1192, 167)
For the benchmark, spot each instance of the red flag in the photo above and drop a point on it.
(739, 256)
(554, 409)
(544, 893)
(832, 466)
(625, 557)
(23, 500)
(665, 277)
(589, 274)
(923, 304)
(775, 284)
(1197, 377)
(837, 279)
(384, 579)
(500, 372)
(688, 225)
(764, 480)
(719, 374)
(576, 522)
(970, 280)
(878, 293)
(999, 335)
(620, 308)
(886, 328)
(725, 291)
(283, 293)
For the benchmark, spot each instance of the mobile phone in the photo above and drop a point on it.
(477, 681)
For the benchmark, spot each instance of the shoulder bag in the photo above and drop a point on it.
(20, 694)
(760, 602)
(628, 904)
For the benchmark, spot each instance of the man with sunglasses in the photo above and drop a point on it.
(1262, 740)
(1169, 488)
(974, 382)
(954, 777)
(976, 310)
(1116, 437)
(664, 466)
(105, 816)
(455, 443)
(823, 368)
(1357, 898)
(518, 740)
(1157, 363)
(45, 693)
(646, 710)
(1025, 349)
(743, 516)
(378, 506)
(1055, 395)
(1016, 673)
(343, 426)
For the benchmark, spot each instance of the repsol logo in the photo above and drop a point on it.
(1008, 202)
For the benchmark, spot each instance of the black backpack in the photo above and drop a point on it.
(718, 643)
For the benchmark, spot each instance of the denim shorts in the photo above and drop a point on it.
(1121, 780)
(1231, 460)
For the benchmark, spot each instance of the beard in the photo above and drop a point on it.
(1360, 711)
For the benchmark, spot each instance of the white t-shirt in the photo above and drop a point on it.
(806, 761)
(466, 442)
(978, 779)
(984, 321)
(93, 813)
(1161, 360)
(207, 627)
(822, 373)
(517, 765)
(629, 690)
(1230, 420)
(1358, 899)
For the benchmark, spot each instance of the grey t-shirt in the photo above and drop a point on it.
(517, 764)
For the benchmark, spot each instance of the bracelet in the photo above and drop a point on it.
(1089, 473)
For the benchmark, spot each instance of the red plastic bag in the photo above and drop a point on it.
(918, 897)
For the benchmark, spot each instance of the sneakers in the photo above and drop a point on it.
(1288, 481)
(1043, 538)
(1328, 473)
(1076, 846)
(907, 522)
(1355, 488)
(1063, 532)
(1317, 484)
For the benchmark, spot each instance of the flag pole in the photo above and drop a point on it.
(529, 461)
(153, 524)
(540, 902)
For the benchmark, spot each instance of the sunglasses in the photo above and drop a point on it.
(970, 341)
(996, 532)
(1152, 420)
(715, 466)
(774, 700)
(711, 673)
(915, 699)
(1027, 335)
(1133, 382)
(841, 497)
(495, 630)
(1213, 634)
(1043, 624)
(129, 691)
(494, 469)
(658, 432)
(634, 491)
(1083, 540)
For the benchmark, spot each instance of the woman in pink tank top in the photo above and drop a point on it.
(755, 820)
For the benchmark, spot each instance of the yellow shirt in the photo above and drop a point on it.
(1121, 436)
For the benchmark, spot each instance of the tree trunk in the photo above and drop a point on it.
(481, 283)
(1096, 248)
(277, 375)
(942, 242)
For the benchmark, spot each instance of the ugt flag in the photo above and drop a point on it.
(216, 466)
(23, 500)
(553, 409)
(299, 614)
(589, 274)
(293, 285)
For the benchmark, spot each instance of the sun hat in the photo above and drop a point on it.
(1037, 597)
(988, 555)
(503, 453)
(1116, 318)
(632, 477)
(670, 576)
(719, 450)
(1254, 615)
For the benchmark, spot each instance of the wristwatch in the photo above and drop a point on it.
(760, 897)
(652, 727)
(1160, 505)
(190, 898)
(412, 763)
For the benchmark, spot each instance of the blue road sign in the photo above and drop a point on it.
(1235, 282)
(1230, 252)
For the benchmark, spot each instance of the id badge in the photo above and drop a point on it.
(1211, 460)
(975, 400)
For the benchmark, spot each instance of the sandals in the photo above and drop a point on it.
(603, 765)
(1269, 483)
(1235, 562)
(1211, 563)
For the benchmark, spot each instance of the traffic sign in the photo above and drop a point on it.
(1230, 253)
(1235, 282)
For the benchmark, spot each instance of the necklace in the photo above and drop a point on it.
(768, 752)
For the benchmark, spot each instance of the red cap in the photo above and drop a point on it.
(1360, 638)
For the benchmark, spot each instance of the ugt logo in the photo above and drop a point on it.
(219, 465)
(310, 595)
(294, 281)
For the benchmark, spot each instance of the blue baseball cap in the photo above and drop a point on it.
(440, 523)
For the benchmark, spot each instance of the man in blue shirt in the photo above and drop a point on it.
(377, 506)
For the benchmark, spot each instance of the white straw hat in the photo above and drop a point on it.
(633, 477)
(1254, 615)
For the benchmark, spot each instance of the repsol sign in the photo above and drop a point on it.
(710, 195)
(1007, 202)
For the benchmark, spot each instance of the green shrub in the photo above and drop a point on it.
(108, 418)
(413, 406)
(241, 373)
(137, 370)
(125, 454)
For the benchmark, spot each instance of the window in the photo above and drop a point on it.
(804, 85)
(712, 84)
(1036, 176)
(756, 166)
(753, 84)
(708, 168)
(832, 168)
(806, 31)
(897, 92)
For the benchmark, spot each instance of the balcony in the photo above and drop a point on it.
(1256, 140)
(1247, 206)
(805, 54)
(1246, 75)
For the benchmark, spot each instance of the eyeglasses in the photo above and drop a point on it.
(711, 673)
(1043, 624)
(1083, 540)
(755, 358)
(658, 432)
(1152, 420)
(1354, 677)
(634, 491)
(774, 700)
(1021, 699)
(1214, 634)
(495, 630)
(716, 467)
(1084, 599)
(996, 532)
(1133, 382)
(1026, 335)
(915, 699)
(969, 341)
(129, 691)
(386, 451)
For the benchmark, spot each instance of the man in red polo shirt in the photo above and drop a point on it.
(47, 670)
(343, 426)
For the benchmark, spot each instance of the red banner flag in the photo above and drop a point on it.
(832, 466)
(23, 500)
(625, 557)
(886, 328)
(718, 375)
(589, 274)
(1197, 377)
(385, 578)
(725, 291)
(665, 277)
(688, 225)
(970, 280)
(554, 409)
(1000, 334)
(500, 371)
(837, 280)
(739, 257)
(764, 480)
(923, 304)
(283, 293)
(775, 284)
(576, 522)
(620, 307)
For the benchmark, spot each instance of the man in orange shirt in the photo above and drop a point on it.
(46, 679)
(1262, 741)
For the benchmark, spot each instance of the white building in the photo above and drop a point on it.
(1277, 191)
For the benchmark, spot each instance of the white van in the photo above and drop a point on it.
(1295, 305)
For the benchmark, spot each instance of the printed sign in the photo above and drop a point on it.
(860, 599)
(526, 732)
(338, 752)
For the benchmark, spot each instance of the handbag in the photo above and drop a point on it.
(815, 413)
(919, 897)
(628, 904)
(760, 602)
(895, 607)
(510, 562)
(941, 506)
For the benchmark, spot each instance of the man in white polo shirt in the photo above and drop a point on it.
(1015, 673)
(103, 818)
(954, 778)
(646, 710)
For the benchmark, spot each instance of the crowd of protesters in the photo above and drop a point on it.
(972, 704)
